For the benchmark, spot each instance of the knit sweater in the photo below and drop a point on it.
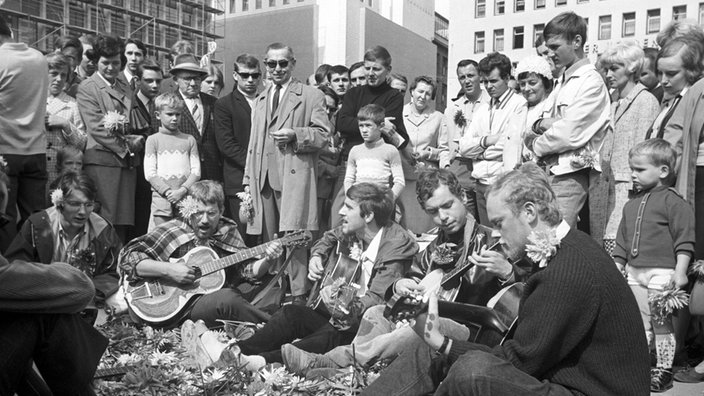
(383, 95)
(667, 229)
(579, 325)
(171, 161)
(24, 83)
(379, 164)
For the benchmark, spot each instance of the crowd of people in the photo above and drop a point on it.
(592, 175)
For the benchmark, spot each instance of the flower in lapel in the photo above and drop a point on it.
(543, 246)
(460, 119)
(356, 250)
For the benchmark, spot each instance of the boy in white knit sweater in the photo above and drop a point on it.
(374, 161)
(171, 161)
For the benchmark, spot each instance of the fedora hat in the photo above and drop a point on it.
(186, 62)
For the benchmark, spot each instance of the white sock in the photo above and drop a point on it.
(212, 344)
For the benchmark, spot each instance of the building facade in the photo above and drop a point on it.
(512, 26)
(157, 23)
(333, 32)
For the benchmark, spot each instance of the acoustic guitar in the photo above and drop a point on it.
(344, 271)
(160, 302)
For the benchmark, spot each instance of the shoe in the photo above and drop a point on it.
(299, 361)
(660, 380)
(689, 376)
(232, 356)
(328, 373)
(191, 341)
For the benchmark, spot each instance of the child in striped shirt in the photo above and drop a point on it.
(374, 161)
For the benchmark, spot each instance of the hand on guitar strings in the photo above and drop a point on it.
(427, 325)
(493, 262)
(406, 287)
(315, 268)
(181, 273)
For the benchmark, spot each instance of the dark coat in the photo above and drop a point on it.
(233, 123)
(210, 161)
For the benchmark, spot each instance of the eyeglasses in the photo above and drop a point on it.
(247, 76)
(77, 204)
(271, 64)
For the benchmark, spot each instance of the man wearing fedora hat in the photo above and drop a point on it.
(289, 127)
(197, 119)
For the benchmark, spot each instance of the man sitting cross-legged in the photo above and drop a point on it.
(440, 194)
(578, 329)
(148, 256)
(384, 253)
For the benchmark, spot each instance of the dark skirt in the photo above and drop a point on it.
(116, 189)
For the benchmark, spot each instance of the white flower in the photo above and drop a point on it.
(129, 359)
(356, 251)
(247, 205)
(159, 358)
(543, 246)
(57, 197)
(113, 120)
(189, 206)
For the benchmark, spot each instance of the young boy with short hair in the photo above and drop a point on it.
(171, 160)
(374, 161)
(655, 242)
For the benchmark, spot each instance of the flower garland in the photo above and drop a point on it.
(543, 246)
(57, 197)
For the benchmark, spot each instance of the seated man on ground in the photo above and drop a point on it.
(148, 256)
(38, 324)
(382, 251)
(579, 330)
(441, 196)
(69, 232)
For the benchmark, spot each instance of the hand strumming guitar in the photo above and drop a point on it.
(181, 273)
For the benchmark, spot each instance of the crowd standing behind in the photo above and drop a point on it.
(118, 147)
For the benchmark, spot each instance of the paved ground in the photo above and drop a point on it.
(681, 389)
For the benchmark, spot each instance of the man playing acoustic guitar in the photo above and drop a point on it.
(147, 257)
(441, 196)
(382, 252)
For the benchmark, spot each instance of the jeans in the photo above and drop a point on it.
(377, 338)
(571, 191)
(64, 347)
(227, 304)
(28, 178)
(311, 328)
(481, 373)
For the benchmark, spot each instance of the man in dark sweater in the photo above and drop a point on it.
(578, 331)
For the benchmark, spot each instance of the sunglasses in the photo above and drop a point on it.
(271, 64)
(255, 76)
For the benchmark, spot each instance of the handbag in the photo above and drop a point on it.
(696, 299)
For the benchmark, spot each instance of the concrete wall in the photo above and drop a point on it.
(253, 33)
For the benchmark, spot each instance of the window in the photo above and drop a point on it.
(538, 31)
(272, 3)
(500, 7)
(518, 37)
(539, 4)
(258, 4)
(245, 5)
(679, 12)
(480, 9)
(498, 40)
(629, 24)
(478, 42)
(605, 27)
(560, 3)
(582, 1)
(286, 2)
(653, 21)
(519, 6)
(701, 13)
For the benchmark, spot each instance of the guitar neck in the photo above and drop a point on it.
(228, 261)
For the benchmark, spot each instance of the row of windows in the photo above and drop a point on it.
(518, 6)
(628, 28)
(258, 4)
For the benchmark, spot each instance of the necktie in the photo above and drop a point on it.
(154, 121)
(275, 102)
(133, 83)
(197, 116)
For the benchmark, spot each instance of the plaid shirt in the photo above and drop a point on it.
(174, 239)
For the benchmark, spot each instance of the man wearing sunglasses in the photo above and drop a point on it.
(233, 121)
(289, 127)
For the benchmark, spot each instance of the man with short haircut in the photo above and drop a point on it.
(458, 117)
(339, 78)
(289, 127)
(493, 139)
(197, 117)
(144, 122)
(542, 50)
(568, 140)
(398, 82)
(135, 53)
(24, 86)
(233, 122)
(592, 343)
(357, 75)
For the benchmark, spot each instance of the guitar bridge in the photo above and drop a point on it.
(147, 290)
